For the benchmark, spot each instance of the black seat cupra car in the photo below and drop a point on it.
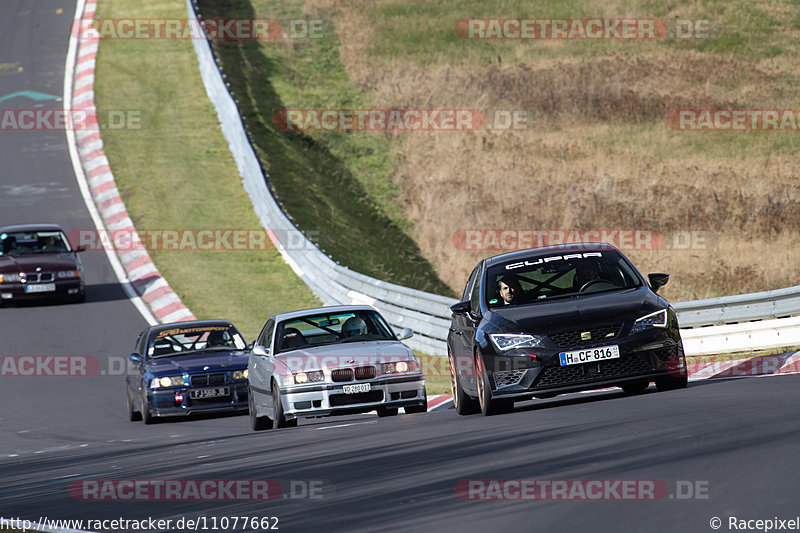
(559, 319)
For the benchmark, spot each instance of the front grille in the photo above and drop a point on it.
(599, 335)
(337, 400)
(365, 372)
(507, 378)
(555, 376)
(201, 380)
(342, 374)
(209, 401)
(39, 277)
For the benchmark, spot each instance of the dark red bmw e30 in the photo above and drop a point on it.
(38, 262)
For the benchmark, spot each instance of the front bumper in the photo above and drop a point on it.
(163, 402)
(646, 356)
(329, 399)
(68, 288)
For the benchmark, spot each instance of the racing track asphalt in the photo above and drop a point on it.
(738, 438)
(37, 184)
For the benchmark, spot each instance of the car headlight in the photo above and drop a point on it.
(400, 367)
(240, 374)
(657, 319)
(308, 377)
(10, 278)
(66, 274)
(167, 381)
(505, 341)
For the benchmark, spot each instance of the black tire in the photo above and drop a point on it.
(386, 411)
(636, 387)
(672, 383)
(146, 416)
(278, 419)
(489, 406)
(257, 423)
(463, 403)
(133, 415)
(418, 408)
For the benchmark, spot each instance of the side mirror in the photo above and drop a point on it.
(405, 333)
(135, 357)
(79, 249)
(657, 280)
(260, 350)
(461, 308)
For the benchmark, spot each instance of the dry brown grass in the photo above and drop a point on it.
(598, 155)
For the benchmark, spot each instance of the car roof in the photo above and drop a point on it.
(332, 309)
(30, 227)
(549, 250)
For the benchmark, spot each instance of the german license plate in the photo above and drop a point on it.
(359, 387)
(589, 355)
(216, 392)
(43, 287)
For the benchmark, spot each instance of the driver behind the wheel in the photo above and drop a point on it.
(585, 273)
(354, 326)
(510, 289)
(216, 338)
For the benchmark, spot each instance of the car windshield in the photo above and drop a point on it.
(33, 242)
(543, 278)
(190, 339)
(331, 328)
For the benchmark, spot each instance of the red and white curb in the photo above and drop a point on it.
(138, 267)
(766, 365)
(438, 402)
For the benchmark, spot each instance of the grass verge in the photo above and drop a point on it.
(337, 186)
(176, 172)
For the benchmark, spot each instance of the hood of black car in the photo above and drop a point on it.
(30, 262)
(598, 308)
(198, 363)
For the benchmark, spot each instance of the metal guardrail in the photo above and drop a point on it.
(427, 314)
(740, 308)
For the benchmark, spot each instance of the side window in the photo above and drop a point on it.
(266, 334)
(475, 297)
(141, 342)
(470, 281)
